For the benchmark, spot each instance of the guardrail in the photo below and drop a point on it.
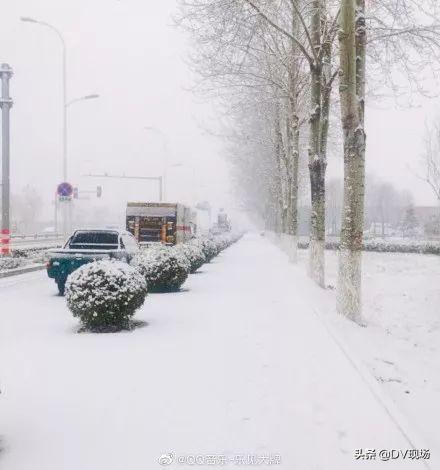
(36, 236)
(22, 242)
(14, 243)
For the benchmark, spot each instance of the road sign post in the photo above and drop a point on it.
(65, 195)
(65, 191)
(5, 105)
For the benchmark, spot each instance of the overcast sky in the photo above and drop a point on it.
(129, 53)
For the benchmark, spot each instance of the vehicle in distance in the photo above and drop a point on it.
(85, 246)
(160, 222)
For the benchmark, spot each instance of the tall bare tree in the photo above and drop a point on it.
(242, 55)
(314, 40)
(431, 158)
(352, 49)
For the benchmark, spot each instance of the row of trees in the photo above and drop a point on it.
(277, 70)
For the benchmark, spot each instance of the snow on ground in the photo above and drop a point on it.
(401, 344)
(235, 365)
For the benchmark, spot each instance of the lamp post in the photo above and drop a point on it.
(64, 88)
(65, 103)
(5, 105)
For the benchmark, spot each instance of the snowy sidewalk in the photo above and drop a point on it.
(236, 365)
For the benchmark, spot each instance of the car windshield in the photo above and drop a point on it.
(94, 240)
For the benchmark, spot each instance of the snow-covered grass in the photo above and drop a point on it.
(401, 343)
(236, 364)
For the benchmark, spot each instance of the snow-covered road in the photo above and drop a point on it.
(236, 365)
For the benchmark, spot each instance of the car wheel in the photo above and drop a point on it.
(61, 287)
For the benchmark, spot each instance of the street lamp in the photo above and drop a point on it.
(65, 103)
(27, 19)
(82, 98)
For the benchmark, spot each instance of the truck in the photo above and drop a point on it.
(86, 246)
(223, 225)
(160, 222)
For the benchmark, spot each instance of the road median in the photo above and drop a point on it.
(22, 270)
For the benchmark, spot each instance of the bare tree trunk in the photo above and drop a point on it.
(292, 132)
(317, 161)
(327, 84)
(280, 159)
(352, 39)
(293, 139)
(317, 167)
(293, 231)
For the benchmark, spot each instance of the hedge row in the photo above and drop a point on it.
(21, 257)
(384, 247)
(105, 294)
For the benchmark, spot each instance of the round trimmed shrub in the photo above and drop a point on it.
(193, 254)
(164, 269)
(222, 242)
(208, 247)
(104, 295)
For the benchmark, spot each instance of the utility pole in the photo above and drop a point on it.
(5, 105)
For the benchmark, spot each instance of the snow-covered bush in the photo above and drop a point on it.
(193, 254)
(105, 294)
(9, 262)
(164, 269)
(208, 246)
(221, 242)
(402, 246)
(384, 246)
(225, 240)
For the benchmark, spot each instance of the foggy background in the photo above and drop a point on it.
(130, 53)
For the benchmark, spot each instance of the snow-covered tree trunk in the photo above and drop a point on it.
(292, 133)
(317, 160)
(289, 192)
(280, 158)
(294, 173)
(352, 40)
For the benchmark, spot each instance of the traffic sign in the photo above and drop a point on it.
(65, 190)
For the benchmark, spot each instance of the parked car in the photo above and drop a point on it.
(85, 246)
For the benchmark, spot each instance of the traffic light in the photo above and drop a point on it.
(98, 191)
(75, 193)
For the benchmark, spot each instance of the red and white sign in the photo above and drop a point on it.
(5, 239)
